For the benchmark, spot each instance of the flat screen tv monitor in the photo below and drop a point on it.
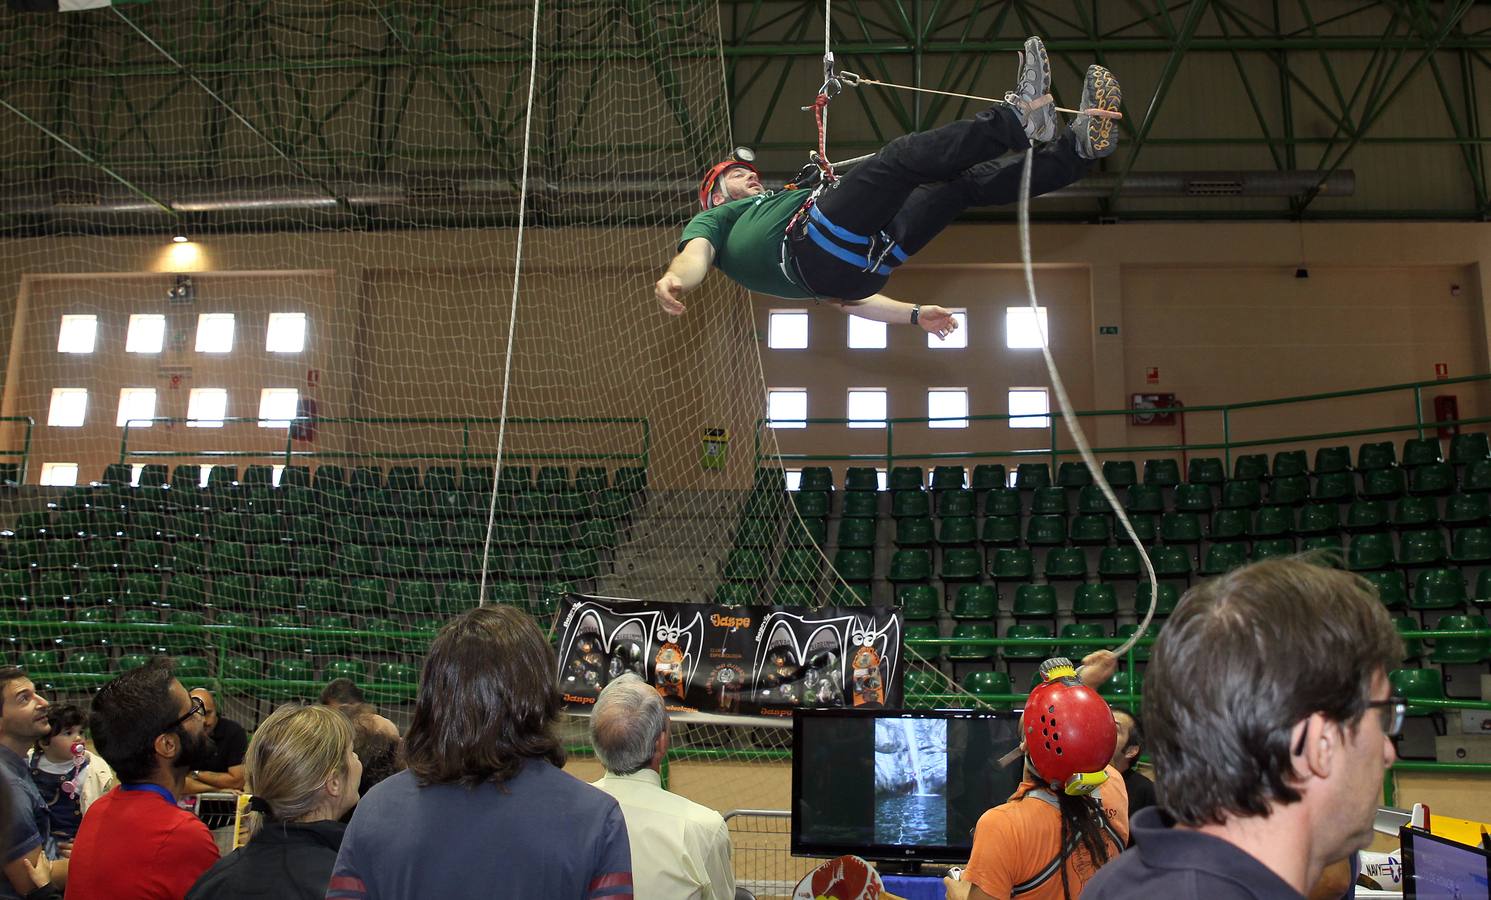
(895, 784)
(1438, 869)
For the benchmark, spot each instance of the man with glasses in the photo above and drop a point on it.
(136, 843)
(223, 769)
(1270, 723)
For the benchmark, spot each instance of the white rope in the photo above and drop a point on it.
(1070, 417)
(512, 313)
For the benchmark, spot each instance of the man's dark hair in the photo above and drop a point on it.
(1136, 731)
(1242, 661)
(129, 713)
(380, 753)
(487, 700)
(7, 675)
(341, 692)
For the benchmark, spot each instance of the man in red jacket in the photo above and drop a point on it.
(135, 842)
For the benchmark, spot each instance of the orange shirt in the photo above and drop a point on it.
(1015, 841)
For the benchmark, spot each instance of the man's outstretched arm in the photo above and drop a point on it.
(931, 319)
(684, 274)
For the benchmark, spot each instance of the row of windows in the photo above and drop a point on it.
(1024, 329)
(205, 407)
(65, 474)
(147, 333)
(946, 407)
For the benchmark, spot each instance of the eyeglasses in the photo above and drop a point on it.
(199, 708)
(1392, 710)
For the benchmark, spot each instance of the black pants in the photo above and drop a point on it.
(915, 187)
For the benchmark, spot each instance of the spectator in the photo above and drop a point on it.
(1126, 760)
(382, 754)
(680, 850)
(1270, 722)
(345, 695)
(484, 767)
(223, 769)
(68, 775)
(303, 775)
(135, 842)
(23, 720)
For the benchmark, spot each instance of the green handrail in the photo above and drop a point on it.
(25, 452)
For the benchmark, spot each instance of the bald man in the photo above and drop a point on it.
(223, 769)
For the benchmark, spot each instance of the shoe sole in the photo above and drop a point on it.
(1106, 95)
(1035, 47)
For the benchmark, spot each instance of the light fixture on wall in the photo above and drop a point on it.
(180, 238)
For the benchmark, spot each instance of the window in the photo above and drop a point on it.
(787, 407)
(794, 479)
(215, 333)
(948, 404)
(277, 474)
(867, 407)
(1033, 402)
(147, 334)
(277, 406)
(1023, 328)
(69, 406)
(286, 333)
(134, 474)
(204, 473)
(955, 341)
(787, 329)
(866, 334)
(136, 404)
(882, 480)
(206, 408)
(77, 334)
(59, 474)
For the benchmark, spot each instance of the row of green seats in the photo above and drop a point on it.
(272, 529)
(284, 678)
(332, 478)
(308, 501)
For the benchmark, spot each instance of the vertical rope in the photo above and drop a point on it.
(512, 314)
(1065, 402)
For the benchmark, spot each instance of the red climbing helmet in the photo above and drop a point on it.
(740, 156)
(1068, 730)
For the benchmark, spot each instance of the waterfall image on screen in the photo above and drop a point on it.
(911, 781)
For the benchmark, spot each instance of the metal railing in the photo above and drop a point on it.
(25, 451)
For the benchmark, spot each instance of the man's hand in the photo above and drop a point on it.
(1097, 667)
(937, 320)
(956, 890)
(669, 289)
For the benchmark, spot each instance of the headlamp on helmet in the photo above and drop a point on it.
(742, 157)
(1068, 729)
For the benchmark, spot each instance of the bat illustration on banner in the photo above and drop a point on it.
(606, 642)
(804, 660)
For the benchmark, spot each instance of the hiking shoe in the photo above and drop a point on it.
(1097, 136)
(1031, 98)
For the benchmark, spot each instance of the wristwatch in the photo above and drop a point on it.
(916, 312)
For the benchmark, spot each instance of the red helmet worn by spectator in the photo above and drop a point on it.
(740, 156)
(1068, 729)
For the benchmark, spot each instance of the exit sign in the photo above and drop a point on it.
(1107, 329)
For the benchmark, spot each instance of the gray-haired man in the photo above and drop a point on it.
(680, 850)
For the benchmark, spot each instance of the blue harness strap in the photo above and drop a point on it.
(877, 247)
(850, 237)
(840, 253)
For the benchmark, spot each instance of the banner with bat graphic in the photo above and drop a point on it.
(732, 660)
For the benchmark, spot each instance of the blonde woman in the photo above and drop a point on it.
(303, 775)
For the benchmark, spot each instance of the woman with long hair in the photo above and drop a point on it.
(303, 775)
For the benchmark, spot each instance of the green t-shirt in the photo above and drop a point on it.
(746, 235)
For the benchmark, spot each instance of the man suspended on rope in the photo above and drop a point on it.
(840, 243)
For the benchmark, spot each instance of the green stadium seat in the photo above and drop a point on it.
(1319, 518)
(800, 565)
(279, 592)
(272, 558)
(366, 595)
(1000, 531)
(1471, 545)
(1120, 562)
(1461, 650)
(794, 594)
(352, 669)
(1029, 632)
(816, 479)
(910, 565)
(1090, 530)
(1228, 524)
(1162, 472)
(732, 594)
(949, 478)
(228, 557)
(1045, 531)
(1335, 487)
(811, 504)
(955, 503)
(910, 504)
(917, 601)
(633, 480)
(1035, 601)
(986, 683)
(190, 635)
(1141, 651)
(1009, 564)
(1372, 550)
(861, 505)
(1066, 564)
(1413, 648)
(1382, 484)
(1206, 470)
(86, 662)
(1090, 501)
(1144, 498)
(856, 533)
(917, 686)
(1469, 448)
(1241, 495)
(1432, 479)
(968, 652)
(460, 595)
(914, 532)
(1080, 630)
(142, 589)
(1168, 599)
(1483, 589)
(1289, 463)
(1328, 544)
(1438, 589)
(1290, 490)
(192, 671)
(1073, 475)
(1367, 515)
(1094, 601)
(291, 674)
(850, 595)
(402, 561)
(579, 564)
(321, 594)
(1466, 509)
(1049, 501)
(1376, 455)
(960, 564)
(1421, 452)
(987, 476)
(1118, 689)
(1273, 521)
(448, 563)
(588, 479)
(960, 531)
(861, 478)
(1422, 547)
(752, 533)
(1332, 459)
(232, 592)
(416, 596)
(906, 478)
(922, 633)
(1029, 476)
(1171, 561)
(1418, 684)
(1223, 557)
(1193, 498)
(511, 479)
(1180, 528)
(809, 533)
(1250, 467)
(1120, 473)
(976, 602)
(1002, 502)
(1390, 587)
